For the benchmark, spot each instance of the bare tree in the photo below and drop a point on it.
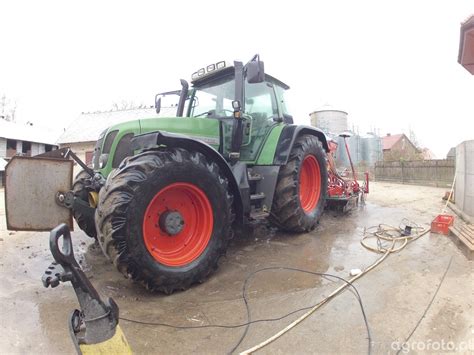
(412, 137)
(7, 109)
(126, 105)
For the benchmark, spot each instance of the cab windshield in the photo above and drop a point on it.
(213, 99)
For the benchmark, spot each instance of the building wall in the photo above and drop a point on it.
(402, 150)
(19, 146)
(464, 187)
(3, 147)
(37, 148)
(80, 149)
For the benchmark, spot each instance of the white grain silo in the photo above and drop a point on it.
(329, 119)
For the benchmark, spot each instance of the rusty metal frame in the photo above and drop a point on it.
(9, 226)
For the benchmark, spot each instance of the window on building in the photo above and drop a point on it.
(11, 147)
(26, 148)
(48, 147)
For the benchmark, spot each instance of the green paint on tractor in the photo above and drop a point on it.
(203, 129)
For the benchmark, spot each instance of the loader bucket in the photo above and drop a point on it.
(32, 185)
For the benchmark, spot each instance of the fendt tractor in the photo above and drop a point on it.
(166, 195)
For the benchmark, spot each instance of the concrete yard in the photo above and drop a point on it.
(395, 294)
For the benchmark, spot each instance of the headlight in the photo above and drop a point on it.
(103, 160)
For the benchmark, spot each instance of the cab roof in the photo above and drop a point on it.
(223, 68)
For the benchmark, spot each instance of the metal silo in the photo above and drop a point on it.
(371, 149)
(355, 149)
(329, 120)
(341, 155)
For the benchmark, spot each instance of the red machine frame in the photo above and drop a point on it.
(343, 193)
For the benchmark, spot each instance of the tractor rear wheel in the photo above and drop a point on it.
(86, 223)
(301, 188)
(165, 218)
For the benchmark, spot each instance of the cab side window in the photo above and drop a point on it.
(260, 102)
(261, 110)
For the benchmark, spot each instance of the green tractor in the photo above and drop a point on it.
(166, 195)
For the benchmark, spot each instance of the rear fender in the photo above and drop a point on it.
(287, 140)
(161, 138)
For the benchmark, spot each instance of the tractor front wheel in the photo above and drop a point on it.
(165, 218)
(84, 222)
(301, 188)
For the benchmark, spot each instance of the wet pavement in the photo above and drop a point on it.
(395, 294)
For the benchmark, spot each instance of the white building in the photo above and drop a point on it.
(22, 139)
(82, 133)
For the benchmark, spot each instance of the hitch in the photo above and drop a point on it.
(94, 328)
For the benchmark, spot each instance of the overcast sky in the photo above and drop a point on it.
(390, 64)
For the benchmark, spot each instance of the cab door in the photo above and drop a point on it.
(261, 114)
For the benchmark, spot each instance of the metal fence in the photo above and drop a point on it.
(439, 172)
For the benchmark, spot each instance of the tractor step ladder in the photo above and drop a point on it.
(257, 197)
(259, 214)
(254, 176)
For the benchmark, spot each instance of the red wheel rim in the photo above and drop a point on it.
(192, 204)
(310, 183)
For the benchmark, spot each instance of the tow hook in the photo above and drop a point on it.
(94, 328)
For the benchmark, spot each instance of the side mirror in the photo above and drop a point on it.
(158, 104)
(255, 72)
(287, 118)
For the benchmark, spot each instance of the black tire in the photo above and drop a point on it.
(287, 210)
(87, 224)
(123, 202)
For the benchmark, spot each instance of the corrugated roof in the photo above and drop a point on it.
(23, 132)
(88, 126)
(3, 163)
(389, 141)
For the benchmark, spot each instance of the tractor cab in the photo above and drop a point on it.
(224, 91)
(214, 91)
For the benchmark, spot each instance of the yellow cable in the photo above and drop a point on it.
(385, 252)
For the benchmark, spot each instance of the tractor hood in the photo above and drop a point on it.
(203, 129)
(115, 144)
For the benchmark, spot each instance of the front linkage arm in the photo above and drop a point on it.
(94, 329)
(65, 153)
(68, 199)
